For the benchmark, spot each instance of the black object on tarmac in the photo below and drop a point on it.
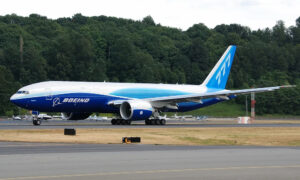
(71, 132)
(131, 140)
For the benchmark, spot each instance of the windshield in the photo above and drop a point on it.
(22, 92)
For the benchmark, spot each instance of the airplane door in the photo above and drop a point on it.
(49, 95)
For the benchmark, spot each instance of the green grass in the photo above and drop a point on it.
(229, 109)
(209, 141)
(294, 143)
(223, 109)
(278, 116)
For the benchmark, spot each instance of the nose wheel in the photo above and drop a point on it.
(36, 122)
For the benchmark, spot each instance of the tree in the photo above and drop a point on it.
(199, 31)
(148, 20)
(8, 86)
(298, 22)
(114, 49)
(279, 33)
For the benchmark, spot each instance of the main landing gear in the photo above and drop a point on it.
(155, 122)
(120, 122)
(147, 122)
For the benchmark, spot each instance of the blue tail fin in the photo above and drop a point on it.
(218, 77)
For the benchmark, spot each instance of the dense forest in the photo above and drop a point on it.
(34, 49)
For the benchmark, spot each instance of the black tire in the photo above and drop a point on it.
(147, 121)
(162, 122)
(157, 122)
(113, 121)
(152, 121)
(36, 122)
(118, 121)
(123, 122)
(127, 122)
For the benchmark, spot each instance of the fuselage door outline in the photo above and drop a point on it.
(49, 95)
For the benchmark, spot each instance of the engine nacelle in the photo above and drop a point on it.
(75, 115)
(136, 110)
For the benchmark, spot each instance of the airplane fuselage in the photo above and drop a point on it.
(68, 96)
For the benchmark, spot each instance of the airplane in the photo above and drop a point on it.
(16, 118)
(44, 116)
(182, 117)
(98, 118)
(130, 101)
(163, 117)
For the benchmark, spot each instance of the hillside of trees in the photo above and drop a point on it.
(34, 49)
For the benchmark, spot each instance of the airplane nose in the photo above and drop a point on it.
(18, 100)
(15, 99)
(12, 98)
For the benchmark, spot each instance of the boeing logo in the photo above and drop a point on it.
(56, 101)
(76, 100)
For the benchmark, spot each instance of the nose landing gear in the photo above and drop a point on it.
(35, 118)
(36, 122)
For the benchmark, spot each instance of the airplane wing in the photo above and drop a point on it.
(223, 94)
(170, 101)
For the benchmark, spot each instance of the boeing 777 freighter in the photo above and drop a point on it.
(130, 101)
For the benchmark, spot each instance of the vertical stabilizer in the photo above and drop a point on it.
(218, 77)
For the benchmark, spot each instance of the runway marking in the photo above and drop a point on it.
(149, 172)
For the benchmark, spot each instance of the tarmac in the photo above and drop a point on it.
(134, 161)
(138, 161)
(61, 124)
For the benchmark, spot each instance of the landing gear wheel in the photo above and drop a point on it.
(162, 122)
(123, 122)
(118, 121)
(37, 122)
(113, 121)
(152, 122)
(156, 121)
(147, 121)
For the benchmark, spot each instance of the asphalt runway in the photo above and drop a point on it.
(135, 161)
(60, 124)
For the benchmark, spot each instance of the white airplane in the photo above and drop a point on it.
(201, 118)
(163, 117)
(130, 101)
(16, 118)
(98, 118)
(44, 116)
(182, 117)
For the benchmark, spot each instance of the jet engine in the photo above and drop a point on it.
(75, 115)
(136, 110)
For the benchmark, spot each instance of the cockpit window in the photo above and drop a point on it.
(23, 92)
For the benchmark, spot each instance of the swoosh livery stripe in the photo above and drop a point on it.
(142, 93)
